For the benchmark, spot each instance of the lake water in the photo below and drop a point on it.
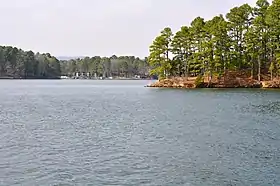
(79, 132)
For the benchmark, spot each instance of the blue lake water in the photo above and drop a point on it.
(80, 132)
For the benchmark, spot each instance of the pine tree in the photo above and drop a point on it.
(159, 54)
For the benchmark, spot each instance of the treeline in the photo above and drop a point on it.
(16, 63)
(123, 66)
(247, 38)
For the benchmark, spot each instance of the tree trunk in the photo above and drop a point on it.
(259, 69)
(224, 66)
(185, 67)
(252, 71)
(271, 61)
(188, 68)
(167, 60)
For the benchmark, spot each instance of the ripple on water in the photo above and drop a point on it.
(119, 133)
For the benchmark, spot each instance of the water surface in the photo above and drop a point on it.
(79, 132)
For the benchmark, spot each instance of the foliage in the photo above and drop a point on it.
(247, 38)
(159, 54)
(123, 66)
(16, 63)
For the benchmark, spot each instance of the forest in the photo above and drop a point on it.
(122, 66)
(16, 63)
(245, 39)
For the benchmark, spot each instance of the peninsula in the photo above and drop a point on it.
(238, 50)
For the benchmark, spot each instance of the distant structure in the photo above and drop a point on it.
(91, 75)
(64, 77)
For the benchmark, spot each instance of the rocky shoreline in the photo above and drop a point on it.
(191, 83)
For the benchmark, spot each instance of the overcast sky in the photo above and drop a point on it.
(98, 27)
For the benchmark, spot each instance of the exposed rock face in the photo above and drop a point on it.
(271, 84)
(174, 83)
(225, 82)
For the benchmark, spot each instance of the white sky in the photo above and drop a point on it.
(98, 27)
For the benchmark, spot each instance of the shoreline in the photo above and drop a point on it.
(191, 83)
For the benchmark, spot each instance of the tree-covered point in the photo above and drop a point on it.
(247, 38)
(16, 63)
(123, 66)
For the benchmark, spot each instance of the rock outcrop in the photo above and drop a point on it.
(271, 84)
(230, 80)
(174, 83)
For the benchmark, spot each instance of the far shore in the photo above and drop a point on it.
(12, 78)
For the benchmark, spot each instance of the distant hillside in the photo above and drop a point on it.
(69, 57)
